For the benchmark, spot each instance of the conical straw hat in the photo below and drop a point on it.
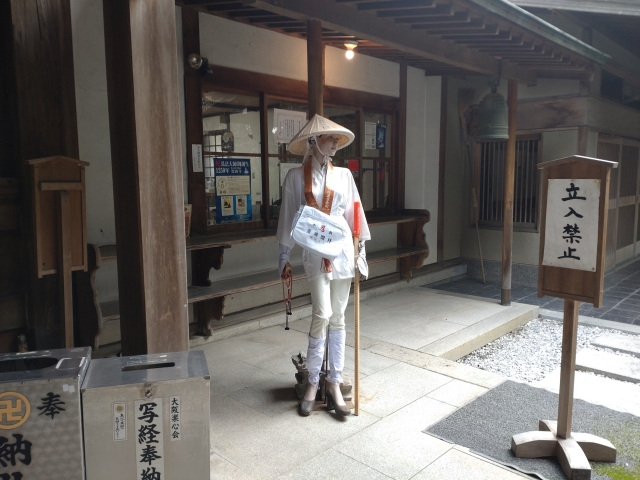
(319, 126)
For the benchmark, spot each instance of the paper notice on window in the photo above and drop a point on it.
(286, 123)
(571, 224)
(369, 136)
(227, 205)
(196, 157)
(241, 205)
(232, 185)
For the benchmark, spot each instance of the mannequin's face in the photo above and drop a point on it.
(328, 144)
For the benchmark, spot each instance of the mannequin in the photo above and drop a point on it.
(329, 284)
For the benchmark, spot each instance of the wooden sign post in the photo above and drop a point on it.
(59, 211)
(575, 201)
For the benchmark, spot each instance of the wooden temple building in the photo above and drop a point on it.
(119, 117)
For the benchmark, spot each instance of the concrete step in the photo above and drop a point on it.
(630, 345)
(608, 364)
(465, 341)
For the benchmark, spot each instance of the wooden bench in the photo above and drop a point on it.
(207, 252)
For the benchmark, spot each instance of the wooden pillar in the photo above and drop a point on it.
(442, 160)
(144, 123)
(402, 138)
(509, 180)
(315, 67)
(193, 118)
(567, 367)
(38, 119)
(583, 141)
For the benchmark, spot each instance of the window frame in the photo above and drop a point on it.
(245, 83)
(476, 183)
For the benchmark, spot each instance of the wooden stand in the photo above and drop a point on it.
(59, 212)
(573, 450)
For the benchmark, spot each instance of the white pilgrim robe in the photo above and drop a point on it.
(346, 193)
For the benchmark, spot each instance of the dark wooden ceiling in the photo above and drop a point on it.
(455, 22)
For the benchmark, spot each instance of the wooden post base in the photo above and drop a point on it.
(573, 453)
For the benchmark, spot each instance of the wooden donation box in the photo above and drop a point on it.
(575, 201)
(60, 227)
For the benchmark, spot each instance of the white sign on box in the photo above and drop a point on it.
(571, 230)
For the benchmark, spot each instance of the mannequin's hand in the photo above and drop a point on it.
(286, 271)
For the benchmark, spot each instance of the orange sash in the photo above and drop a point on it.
(327, 199)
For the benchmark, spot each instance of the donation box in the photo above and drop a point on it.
(147, 417)
(40, 414)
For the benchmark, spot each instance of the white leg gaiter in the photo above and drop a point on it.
(336, 355)
(315, 354)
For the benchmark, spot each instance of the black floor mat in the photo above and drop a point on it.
(487, 424)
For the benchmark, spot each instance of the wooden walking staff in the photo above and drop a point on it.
(575, 202)
(356, 310)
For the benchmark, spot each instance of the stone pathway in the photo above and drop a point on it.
(621, 295)
(256, 432)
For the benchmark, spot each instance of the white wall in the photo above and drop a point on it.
(93, 117)
(423, 150)
(235, 45)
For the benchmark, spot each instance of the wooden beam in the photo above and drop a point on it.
(348, 20)
(193, 119)
(60, 185)
(433, 10)
(567, 367)
(144, 123)
(391, 4)
(612, 7)
(402, 138)
(509, 181)
(436, 19)
(315, 77)
(64, 267)
(442, 159)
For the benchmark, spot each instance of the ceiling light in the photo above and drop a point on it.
(350, 44)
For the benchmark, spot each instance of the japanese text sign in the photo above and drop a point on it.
(571, 233)
(233, 189)
(575, 196)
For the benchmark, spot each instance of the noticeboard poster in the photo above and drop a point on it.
(233, 189)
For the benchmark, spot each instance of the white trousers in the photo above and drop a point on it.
(329, 300)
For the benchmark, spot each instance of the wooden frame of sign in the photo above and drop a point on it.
(568, 283)
(571, 266)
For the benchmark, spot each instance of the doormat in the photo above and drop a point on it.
(487, 424)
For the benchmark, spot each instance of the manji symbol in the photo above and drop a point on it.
(14, 410)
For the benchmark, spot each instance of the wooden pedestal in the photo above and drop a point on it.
(573, 452)
(554, 439)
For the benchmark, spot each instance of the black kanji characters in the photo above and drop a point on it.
(148, 434)
(151, 474)
(9, 452)
(149, 454)
(573, 193)
(51, 405)
(569, 254)
(12, 476)
(573, 212)
(572, 232)
(148, 413)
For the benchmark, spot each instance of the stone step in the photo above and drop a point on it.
(630, 345)
(609, 364)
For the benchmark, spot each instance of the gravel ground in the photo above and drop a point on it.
(531, 352)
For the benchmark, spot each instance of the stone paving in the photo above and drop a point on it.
(621, 301)
(256, 432)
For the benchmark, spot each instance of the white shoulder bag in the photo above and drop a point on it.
(320, 233)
